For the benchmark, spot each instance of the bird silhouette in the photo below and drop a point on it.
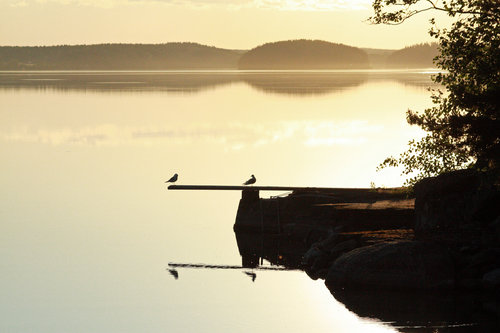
(252, 275)
(174, 273)
(173, 179)
(251, 181)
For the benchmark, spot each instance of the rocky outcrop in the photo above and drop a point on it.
(491, 280)
(455, 206)
(456, 245)
(403, 265)
(322, 254)
(448, 270)
(347, 242)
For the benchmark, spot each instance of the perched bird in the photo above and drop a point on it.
(252, 275)
(173, 179)
(252, 180)
(174, 273)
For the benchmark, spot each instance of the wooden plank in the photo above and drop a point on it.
(268, 188)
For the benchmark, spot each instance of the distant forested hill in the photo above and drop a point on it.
(304, 54)
(377, 57)
(416, 56)
(293, 54)
(118, 57)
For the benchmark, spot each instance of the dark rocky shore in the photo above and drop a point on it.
(447, 245)
(455, 245)
(454, 252)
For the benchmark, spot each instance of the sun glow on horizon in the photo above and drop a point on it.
(314, 5)
(285, 5)
(236, 24)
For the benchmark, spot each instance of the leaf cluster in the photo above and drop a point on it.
(464, 124)
(395, 12)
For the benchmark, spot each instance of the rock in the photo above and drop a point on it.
(469, 284)
(330, 241)
(402, 265)
(493, 231)
(455, 206)
(319, 269)
(488, 208)
(344, 246)
(491, 280)
(492, 307)
(482, 262)
(312, 255)
(443, 202)
(317, 260)
(495, 224)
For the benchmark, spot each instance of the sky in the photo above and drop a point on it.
(232, 24)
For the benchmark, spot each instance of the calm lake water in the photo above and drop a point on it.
(88, 227)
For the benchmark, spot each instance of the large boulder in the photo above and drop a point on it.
(455, 205)
(319, 258)
(401, 265)
(491, 280)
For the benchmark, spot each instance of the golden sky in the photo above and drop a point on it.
(235, 24)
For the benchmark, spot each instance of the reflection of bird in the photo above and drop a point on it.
(174, 273)
(252, 275)
(173, 179)
(252, 180)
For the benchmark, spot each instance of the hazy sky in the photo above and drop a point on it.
(236, 24)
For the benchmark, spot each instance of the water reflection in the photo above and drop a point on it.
(293, 83)
(421, 312)
(406, 311)
(298, 83)
(416, 79)
(254, 248)
(85, 211)
(172, 82)
(252, 273)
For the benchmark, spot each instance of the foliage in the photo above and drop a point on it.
(464, 125)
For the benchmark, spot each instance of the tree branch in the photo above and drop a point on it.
(399, 16)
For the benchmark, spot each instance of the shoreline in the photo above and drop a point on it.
(448, 241)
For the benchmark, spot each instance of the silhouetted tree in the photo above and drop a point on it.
(464, 125)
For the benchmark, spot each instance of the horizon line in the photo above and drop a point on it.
(202, 44)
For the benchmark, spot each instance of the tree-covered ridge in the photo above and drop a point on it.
(295, 54)
(118, 57)
(415, 56)
(304, 54)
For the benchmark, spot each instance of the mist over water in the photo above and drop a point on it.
(88, 226)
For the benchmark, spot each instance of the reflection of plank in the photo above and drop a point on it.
(207, 266)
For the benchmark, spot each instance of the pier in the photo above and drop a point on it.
(267, 188)
(251, 192)
(352, 208)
